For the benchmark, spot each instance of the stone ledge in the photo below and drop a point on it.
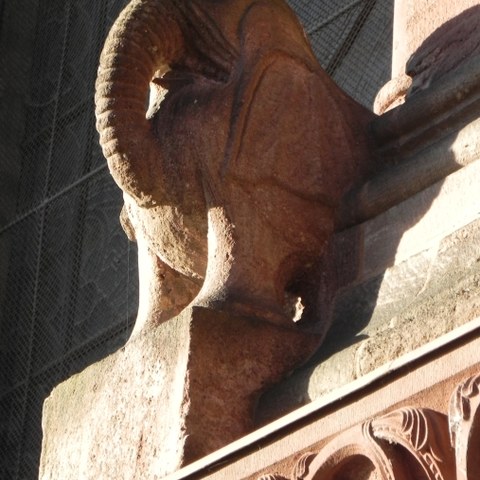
(407, 287)
(420, 143)
(418, 379)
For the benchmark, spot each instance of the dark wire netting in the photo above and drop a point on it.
(68, 275)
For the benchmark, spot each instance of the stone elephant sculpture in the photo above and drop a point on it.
(233, 175)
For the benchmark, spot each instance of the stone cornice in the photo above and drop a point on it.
(431, 427)
(420, 143)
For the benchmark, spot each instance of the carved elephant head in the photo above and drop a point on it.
(233, 176)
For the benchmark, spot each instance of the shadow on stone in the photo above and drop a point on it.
(386, 225)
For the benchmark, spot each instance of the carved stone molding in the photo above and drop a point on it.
(464, 422)
(353, 454)
(300, 470)
(302, 467)
(404, 444)
(423, 434)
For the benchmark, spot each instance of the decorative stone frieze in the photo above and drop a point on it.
(403, 444)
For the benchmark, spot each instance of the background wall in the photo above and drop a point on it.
(68, 281)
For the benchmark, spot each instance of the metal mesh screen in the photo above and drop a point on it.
(68, 286)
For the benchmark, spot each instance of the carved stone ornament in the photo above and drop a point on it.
(464, 421)
(405, 444)
(233, 149)
(271, 477)
(300, 470)
(233, 174)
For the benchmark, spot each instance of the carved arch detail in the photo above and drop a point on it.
(423, 434)
(404, 444)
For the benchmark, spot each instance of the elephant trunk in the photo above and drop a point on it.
(145, 38)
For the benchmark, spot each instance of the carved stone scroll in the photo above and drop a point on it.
(271, 477)
(299, 471)
(464, 420)
(302, 467)
(423, 435)
(354, 454)
(404, 444)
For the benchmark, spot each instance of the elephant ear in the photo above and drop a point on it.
(293, 131)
